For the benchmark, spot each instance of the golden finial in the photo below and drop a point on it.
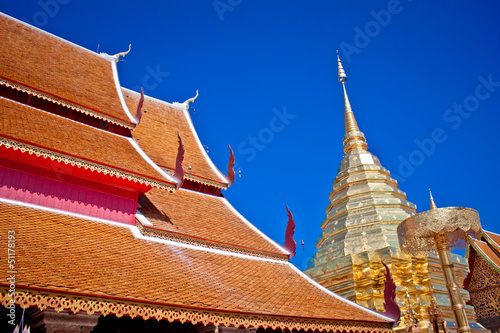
(341, 72)
(433, 204)
(354, 139)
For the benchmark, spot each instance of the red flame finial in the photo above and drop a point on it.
(230, 168)
(138, 114)
(290, 244)
(179, 168)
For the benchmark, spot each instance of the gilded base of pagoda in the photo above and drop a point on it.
(360, 278)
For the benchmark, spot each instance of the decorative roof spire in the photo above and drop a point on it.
(433, 204)
(354, 139)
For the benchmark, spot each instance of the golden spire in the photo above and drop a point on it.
(354, 139)
(433, 204)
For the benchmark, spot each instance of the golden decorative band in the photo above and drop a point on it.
(205, 243)
(62, 102)
(198, 179)
(90, 305)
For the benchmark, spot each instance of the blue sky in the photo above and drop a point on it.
(423, 81)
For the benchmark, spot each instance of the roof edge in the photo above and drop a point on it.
(80, 302)
(483, 255)
(147, 229)
(254, 228)
(82, 163)
(222, 178)
(150, 162)
(316, 284)
(50, 34)
(197, 179)
(120, 94)
(60, 101)
(490, 241)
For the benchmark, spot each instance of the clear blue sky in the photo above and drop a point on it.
(408, 63)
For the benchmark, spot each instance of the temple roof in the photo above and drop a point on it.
(39, 63)
(35, 131)
(488, 248)
(157, 136)
(71, 256)
(206, 219)
(190, 257)
(492, 239)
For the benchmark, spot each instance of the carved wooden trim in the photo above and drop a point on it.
(90, 305)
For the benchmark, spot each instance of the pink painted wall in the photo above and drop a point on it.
(30, 188)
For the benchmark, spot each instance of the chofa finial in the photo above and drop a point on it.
(122, 54)
(116, 57)
(186, 103)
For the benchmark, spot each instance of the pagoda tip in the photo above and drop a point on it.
(433, 204)
(341, 73)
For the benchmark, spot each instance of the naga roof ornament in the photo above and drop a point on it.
(391, 307)
(138, 114)
(290, 244)
(116, 57)
(179, 168)
(230, 168)
(185, 105)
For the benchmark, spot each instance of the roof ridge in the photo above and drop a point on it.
(105, 96)
(250, 224)
(149, 161)
(52, 35)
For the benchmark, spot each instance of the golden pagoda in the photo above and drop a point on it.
(360, 231)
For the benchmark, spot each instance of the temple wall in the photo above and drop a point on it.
(52, 193)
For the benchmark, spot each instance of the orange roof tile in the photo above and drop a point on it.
(485, 250)
(67, 72)
(203, 216)
(493, 239)
(69, 255)
(44, 130)
(157, 135)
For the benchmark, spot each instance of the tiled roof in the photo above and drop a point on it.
(203, 216)
(487, 253)
(44, 130)
(157, 136)
(489, 249)
(70, 255)
(66, 71)
(493, 239)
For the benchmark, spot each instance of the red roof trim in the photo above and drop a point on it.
(86, 159)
